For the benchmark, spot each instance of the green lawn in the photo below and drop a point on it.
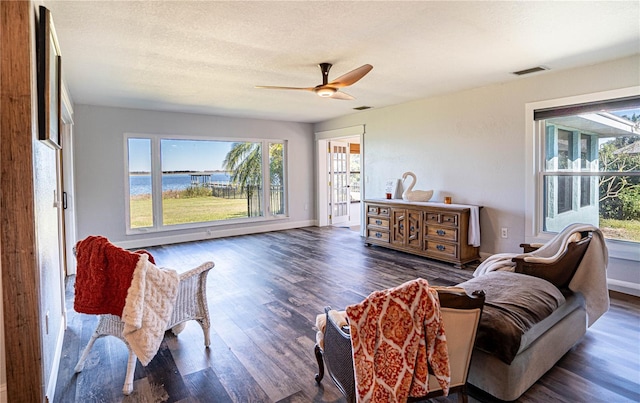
(187, 210)
(622, 230)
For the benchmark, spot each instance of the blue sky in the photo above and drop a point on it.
(179, 155)
(627, 112)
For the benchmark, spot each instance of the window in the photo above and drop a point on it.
(354, 175)
(140, 208)
(184, 182)
(590, 171)
(276, 171)
(585, 191)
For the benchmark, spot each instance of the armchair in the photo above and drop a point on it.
(191, 304)
(559, 268)
(460, 313)
(129, 294)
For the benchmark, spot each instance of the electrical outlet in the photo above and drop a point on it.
(504, 232)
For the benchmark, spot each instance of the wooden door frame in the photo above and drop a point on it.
(322, 139)
(18, 261)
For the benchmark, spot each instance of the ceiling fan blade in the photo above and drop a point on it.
(342, 95)
(271, 87)
(351, 77)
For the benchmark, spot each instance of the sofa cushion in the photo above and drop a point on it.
(514, 303)
(573, 302)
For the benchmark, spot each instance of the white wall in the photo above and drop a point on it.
(51, 292)
(471, 145)
(99, 168)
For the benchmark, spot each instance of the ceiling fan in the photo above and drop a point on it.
(330, 89)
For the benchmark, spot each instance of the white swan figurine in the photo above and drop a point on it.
(415, 195)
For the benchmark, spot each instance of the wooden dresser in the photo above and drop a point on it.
(434, 230)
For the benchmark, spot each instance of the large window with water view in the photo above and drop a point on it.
(182, 182)
(591, 167)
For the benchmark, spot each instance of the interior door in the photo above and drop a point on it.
(68, 200)
(339, 182)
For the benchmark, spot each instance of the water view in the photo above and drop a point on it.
(141, 184)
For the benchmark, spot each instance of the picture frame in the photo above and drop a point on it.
(393, 187)
(49, 64)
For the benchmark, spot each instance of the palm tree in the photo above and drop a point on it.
(244, 160)
(276, 170)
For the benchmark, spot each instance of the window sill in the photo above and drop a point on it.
(617, 249)
(200, 225)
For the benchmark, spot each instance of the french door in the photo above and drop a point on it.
(338, 182)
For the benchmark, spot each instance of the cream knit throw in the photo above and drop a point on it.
(590, 278)
(148, 308)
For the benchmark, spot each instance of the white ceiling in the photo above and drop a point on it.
(207, 56)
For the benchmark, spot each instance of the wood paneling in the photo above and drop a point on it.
(264, 295)
(20, 279)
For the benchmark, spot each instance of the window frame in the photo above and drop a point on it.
(535, 160)
(156, 183)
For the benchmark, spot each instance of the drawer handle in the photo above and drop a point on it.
(378, 235)
(401, 226)
(412, 228)
(379, 222)
(441, 232)
(440, 247)
(448, 219)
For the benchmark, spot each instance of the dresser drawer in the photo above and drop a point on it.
(382, 236)
(441, 218)
(432, 218)
(441, 248)
(378, 222)
(378, 210)
(446, 233)
(449, 219)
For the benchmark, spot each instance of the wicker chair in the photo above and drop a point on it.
(461, 314)
(191, 304)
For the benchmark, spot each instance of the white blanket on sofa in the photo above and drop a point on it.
(590, 278)
(148, 308)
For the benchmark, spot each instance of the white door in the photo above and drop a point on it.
(339, 182)
(68, 198)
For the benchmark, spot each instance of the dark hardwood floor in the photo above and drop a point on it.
(264, 295)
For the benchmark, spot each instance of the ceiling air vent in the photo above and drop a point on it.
(531, 70)
(361, 108)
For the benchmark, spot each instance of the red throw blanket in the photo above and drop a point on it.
(396, 334)
(104, 273)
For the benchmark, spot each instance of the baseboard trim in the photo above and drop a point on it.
(203, 234)
(55, 367)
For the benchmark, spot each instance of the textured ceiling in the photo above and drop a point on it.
(207, 56)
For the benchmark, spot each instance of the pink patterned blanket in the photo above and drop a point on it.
(396, 335)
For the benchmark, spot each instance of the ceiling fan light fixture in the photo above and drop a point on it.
(330, 89)
(325, 91)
